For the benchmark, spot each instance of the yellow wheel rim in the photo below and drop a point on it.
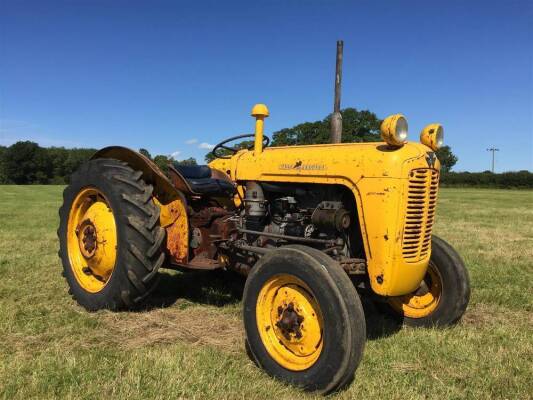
(423, 301)
(290, 322)
(91, 239)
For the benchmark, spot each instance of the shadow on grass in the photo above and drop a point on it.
(220, 288)
(378, 323)
(216, 288)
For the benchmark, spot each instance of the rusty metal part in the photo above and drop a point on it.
(336, 118)
(330, 242)
(205, 217)
(354, 266)
(173, 217)
(253, 249)
(289, 322)
(203, 262)
(88, 241)
(210, 226)
(180, 182)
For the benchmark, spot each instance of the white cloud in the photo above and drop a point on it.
(176, 154)
(191, 141)
(206, 146)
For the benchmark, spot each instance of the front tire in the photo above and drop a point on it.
(303, 319)
(110, 237)
(444, 294)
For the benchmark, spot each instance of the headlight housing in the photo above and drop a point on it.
(432, 136)
(394, 130)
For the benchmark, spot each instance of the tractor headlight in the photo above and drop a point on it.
(394, 130)
(432, 136)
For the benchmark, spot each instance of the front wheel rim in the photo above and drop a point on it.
(290, 322)
(424, 301)
(91, 239)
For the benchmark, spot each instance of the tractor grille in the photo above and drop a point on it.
(421, 203)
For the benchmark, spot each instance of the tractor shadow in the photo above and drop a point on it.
(378, 323)
(221, 288)
(216, 288)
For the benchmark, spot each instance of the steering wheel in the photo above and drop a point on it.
(233, 150)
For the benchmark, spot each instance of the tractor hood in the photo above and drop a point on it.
(351, 161)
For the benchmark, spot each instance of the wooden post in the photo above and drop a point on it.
(336, 117)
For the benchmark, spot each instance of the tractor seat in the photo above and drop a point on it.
(200, 179)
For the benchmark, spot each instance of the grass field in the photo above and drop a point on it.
(189, 344)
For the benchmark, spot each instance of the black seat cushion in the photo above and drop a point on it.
(200, 180)
(193, 171)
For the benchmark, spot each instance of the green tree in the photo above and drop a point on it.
(189, 162)
(357, 126)
(58, 157)
(145, 153)
(447, 158)
(75, 158)
(25, 163)
(162, 162)
(3, 178)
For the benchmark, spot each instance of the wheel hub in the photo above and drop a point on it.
(289, 322)
(87, 238)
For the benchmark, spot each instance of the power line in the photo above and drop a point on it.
(493, 150)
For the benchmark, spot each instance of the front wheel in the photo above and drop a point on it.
(303, 319)
(443, 295)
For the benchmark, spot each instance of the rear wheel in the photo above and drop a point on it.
(110, 237)
(303, 319)
(443, 295)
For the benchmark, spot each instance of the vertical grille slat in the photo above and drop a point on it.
(421, 201)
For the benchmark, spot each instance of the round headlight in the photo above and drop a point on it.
(433, 136)
(394, 130)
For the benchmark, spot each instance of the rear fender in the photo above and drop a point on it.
(171, 201)
(164, 190)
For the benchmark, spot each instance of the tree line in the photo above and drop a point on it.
(26, 162)
(487, 179)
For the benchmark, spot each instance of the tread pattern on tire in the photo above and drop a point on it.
(140, 250)
(457, 296)
(464, 280)
(333, 375)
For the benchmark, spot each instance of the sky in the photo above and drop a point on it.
(176, 77)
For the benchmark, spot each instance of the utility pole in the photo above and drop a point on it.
(493, 150)
(336, 118)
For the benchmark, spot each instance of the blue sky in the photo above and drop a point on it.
(175, 76)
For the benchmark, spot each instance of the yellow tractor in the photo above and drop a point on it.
(312, 227)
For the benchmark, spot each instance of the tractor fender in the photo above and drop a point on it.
(171, 200)
(164, 190)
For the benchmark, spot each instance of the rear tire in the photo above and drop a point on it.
(331, 357)
(453, 288)
(138, 253)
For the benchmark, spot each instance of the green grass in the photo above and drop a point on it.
(190, 343)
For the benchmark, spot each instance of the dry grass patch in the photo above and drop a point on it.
(193, 325)
(484, 316)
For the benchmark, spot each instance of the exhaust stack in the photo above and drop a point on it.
(336, 117)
